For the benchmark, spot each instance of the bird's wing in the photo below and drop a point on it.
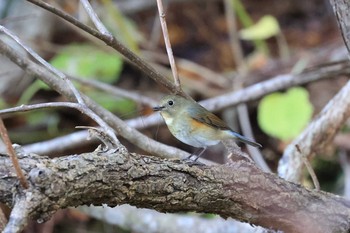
(204, 116)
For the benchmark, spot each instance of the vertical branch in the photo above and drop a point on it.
(238, 84)
(234, 41)
(310, 169)
(168, 44)
(12, 153)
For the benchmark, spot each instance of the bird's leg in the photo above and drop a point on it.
(200, 153)
(195, 162)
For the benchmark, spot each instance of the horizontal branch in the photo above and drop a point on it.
(240, 190)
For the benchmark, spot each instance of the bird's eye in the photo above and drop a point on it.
(170, 102)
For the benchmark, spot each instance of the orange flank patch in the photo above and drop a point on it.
(199, 126)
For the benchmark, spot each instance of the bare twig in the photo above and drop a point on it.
(247, 131)
(12, 153)
(94, 18)
(115, 44)
(310, 169)
(82, 108)
(168, 45)
(234, 40)
(113, 90)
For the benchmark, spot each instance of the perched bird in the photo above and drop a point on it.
(194, 125)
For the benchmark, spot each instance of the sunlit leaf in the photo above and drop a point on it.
(284, 115)
(265, 28)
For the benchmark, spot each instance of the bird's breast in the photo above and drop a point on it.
(168, 119)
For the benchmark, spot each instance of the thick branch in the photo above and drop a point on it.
(238, 190)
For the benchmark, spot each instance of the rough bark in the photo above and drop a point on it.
(239, 190)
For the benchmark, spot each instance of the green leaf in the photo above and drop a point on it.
(285, 115)
(87, 61)
(265, 28)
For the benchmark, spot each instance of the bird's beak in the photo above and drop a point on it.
(158, 108)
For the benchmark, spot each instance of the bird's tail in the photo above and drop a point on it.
(245, 140)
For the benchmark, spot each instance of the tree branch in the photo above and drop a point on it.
(239, 190)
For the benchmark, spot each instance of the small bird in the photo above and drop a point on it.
(194, 125)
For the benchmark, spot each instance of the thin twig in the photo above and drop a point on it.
(82, 108)
(44, 63)
(113, 90)
(234, 41)
(30, 107)
(12, 153)
(247, 131)
(94, 18)
(309, 169)
(168, 44)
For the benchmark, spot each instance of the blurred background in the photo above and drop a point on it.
(275, 37)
